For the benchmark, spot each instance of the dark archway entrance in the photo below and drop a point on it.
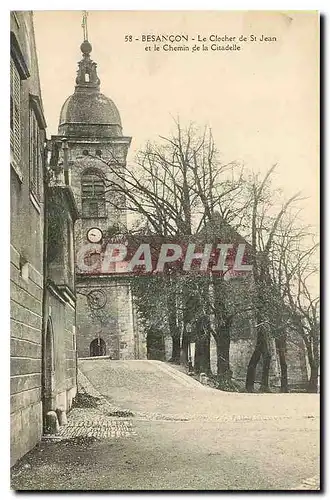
(97, 347)
(155, 345)
(48, 371)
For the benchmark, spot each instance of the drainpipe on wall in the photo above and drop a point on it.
(44, 293)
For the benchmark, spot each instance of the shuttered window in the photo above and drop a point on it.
(93, 196)
(15, 111)
(35, 155)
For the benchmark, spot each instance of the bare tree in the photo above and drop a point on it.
(175, 187)
(297, 278)
(178, 188)
(264, 222)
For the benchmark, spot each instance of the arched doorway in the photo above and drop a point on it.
(48, 369)
(97, 347)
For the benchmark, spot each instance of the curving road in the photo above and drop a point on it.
(182, 436)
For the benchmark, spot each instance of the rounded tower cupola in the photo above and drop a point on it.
(87, 112)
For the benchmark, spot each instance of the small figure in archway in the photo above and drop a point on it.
(97, 347)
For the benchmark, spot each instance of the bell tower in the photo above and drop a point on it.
(97, 149)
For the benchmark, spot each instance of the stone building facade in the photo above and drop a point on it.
(27, 233)
(60, 356)
(97, 149)
(43, 359)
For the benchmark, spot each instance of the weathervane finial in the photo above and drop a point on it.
(84, 25)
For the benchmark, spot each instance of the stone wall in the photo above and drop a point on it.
(27, 222)
(240, 354)
(25, 351)
(60, 360)
(297, 361)
(111, 318)
(64, 380)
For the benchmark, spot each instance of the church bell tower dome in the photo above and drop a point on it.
(87, 112)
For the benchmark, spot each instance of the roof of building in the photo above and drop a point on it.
(91, 107)
(87, 111)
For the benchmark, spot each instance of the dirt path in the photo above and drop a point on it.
(121, 442)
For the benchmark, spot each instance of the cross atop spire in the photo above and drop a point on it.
(87, 79)
(84, 25)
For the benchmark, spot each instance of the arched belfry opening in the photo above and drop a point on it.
(97, 347)
(93, 194)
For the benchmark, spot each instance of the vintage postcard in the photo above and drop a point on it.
(165, 323)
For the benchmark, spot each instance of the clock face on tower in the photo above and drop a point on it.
(94, 235)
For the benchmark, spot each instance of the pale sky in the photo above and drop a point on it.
(262, 102)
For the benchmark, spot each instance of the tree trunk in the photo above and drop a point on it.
(314, 366)
(252, 366)
(280, 343)
(202, 353)
(261, 349)
(313, 380)
(173, 327)
(176, 349)
(222, 339)
(266, 359)
(184, 347)
(223, 323)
